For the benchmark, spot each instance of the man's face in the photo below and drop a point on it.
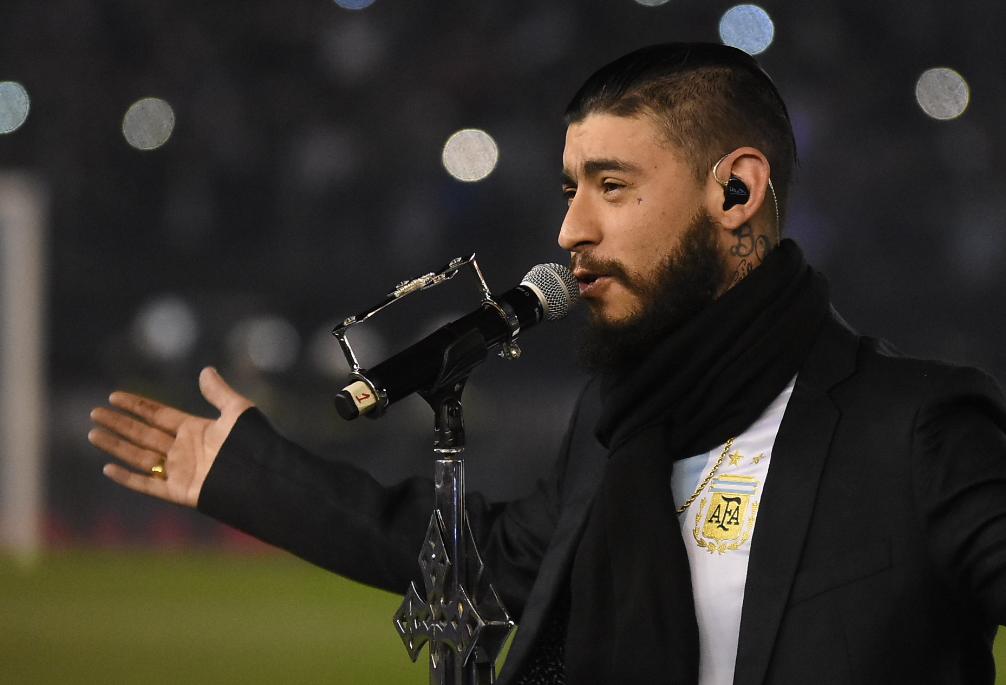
(631, 200)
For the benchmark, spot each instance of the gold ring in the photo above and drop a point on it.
(158, 470)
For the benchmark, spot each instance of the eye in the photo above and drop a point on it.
(569, 192)
(609, 186)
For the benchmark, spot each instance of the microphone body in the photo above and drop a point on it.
(455, 349)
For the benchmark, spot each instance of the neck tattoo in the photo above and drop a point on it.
(751, 249)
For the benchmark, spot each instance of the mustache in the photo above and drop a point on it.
(602, 267)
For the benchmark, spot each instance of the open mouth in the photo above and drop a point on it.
(589, 281)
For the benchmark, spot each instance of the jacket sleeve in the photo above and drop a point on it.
(959, 453)
(337, 516)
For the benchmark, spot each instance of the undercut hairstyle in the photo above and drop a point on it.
(708, 99)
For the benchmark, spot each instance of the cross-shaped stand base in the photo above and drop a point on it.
(461, 616)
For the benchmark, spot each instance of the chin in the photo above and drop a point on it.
(612, 317)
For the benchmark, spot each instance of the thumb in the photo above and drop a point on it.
(217, 392)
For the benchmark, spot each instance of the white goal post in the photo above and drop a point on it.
(22, 363)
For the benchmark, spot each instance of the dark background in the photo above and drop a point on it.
(303, 179)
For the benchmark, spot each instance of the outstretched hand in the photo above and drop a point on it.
(170, 450)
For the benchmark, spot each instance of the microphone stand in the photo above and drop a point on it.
(461, 615)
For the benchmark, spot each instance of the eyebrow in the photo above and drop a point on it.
(593, 167)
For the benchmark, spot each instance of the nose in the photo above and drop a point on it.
(579, 227)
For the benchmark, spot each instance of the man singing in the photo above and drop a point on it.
(749, 492)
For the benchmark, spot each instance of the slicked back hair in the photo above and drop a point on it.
(709, 100)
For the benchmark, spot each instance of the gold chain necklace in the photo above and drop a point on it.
(705, 481)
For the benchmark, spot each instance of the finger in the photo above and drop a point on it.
(216, 390)
(139, 457)
(133, 430)
(137, 482)
(153, 412)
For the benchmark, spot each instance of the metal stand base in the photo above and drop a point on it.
(461, 617)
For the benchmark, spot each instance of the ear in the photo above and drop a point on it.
(752, 168)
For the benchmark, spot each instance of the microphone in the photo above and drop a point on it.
(546, 293)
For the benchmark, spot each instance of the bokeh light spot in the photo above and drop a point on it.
(748, 28)
(270, 343)
(354, 48)
(14, 106)
(942, 93)
(354, 4)
(652, 3)
(148, 123)
(470, 155)
(166, 328)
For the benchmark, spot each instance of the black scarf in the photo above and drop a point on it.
(632, 617)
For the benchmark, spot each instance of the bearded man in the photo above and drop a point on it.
(749, 492)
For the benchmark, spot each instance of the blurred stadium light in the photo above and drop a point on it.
(268, 343)
(14, 106)
(747, 27)
(22, 363)
(148, 123)
(942, 93)
(470, 155)
(354, 4)
(166, 328)
(353, 48)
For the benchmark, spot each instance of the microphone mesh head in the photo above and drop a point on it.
(555, 287)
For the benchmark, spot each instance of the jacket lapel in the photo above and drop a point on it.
(589, 458)
(798, 458)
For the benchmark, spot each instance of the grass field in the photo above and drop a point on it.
(151, 618)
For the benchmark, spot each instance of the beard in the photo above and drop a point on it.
(685, 282)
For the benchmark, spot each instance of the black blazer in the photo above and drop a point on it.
(879, 555)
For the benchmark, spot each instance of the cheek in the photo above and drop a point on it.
(650, 238)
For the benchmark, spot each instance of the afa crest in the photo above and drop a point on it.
(726, 523)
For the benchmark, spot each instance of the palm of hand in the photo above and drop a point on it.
(171, 451)
(188, 461)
